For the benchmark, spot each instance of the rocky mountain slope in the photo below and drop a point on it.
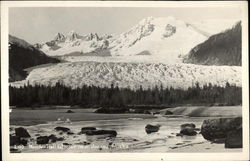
(220, 49)
(23, 55)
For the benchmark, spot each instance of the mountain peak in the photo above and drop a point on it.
(19, 42)
(72, 35)
(59, 37)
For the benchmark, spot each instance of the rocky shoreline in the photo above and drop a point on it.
(221, 131)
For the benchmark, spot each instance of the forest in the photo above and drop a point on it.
(113, 96)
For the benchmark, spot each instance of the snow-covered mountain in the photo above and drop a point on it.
(161, 38)
(148, 54)
(73, 43)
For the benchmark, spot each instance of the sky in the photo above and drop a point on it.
(41, 24)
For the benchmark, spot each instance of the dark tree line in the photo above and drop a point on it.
(93, 96)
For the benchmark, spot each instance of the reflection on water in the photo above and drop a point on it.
(131, 135)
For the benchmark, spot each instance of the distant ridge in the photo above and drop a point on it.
(220, 49)
(23, 55)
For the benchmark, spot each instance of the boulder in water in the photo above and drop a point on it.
(234, 139)
(53, 138)
(188, 132)
(14, 150)
(168, 112)
(188, 125)
(152, 128)
(85, 129)
(42, 140)
(70, 111)
(22, 132)
(15, 140)
(111, 110)
(63, 129)
(111, 133)
(188, 129)
(70, 133)
(212, 129)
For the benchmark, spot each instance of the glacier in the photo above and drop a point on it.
(132, 75)
(148, 54)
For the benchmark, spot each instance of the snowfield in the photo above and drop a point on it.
(162, 37)
(123, 74)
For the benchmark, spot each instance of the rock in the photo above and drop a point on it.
(146, 112)
(168, 112)
(14, 150)
(212, 129)
(219, 141)
(188, 132)
(188, 129)
(234, 139)
(179, 134)
(187, 125)
(63, 129)
(70, 111)
(112, 133)
(197, 129)
(60, 139)
(85, 129)
(52, 138)
(156, 113)
(42, 140)
(142, 111)
(15, 140)
(22, 132)
(86, 143)
(152, 128)
(70, 133)
(24, 142)
(111, 110)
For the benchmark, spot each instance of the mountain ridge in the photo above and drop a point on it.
(163, 37)
(23, 55)
(220, 49)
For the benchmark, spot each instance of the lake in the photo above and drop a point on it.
(130, 128)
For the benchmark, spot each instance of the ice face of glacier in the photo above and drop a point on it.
(76, 74)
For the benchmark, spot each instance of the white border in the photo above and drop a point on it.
(244, 155)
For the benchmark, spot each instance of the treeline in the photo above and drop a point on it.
(92, 96)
